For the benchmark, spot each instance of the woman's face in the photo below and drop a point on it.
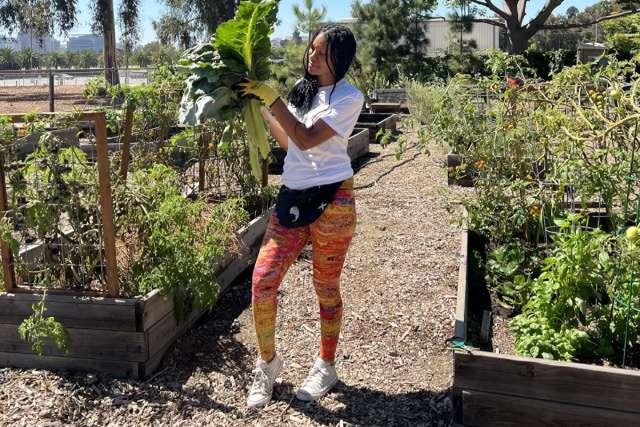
(318, 65)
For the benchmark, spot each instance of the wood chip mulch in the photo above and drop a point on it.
(399, 296)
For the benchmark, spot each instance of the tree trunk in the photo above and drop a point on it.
(519, 39)
(109, 29)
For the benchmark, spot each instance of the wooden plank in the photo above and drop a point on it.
(126, 141)
(488, 409)
(564, 382)
(460, 328)
(358, 144)
(85, 343)
(31, 361)
(72, 312)
(71, 299)
(106, 207)
(155, 307)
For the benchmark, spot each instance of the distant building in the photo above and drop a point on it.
(41, 44)
(588, 52)
(484, 35)
(440, 38)
(81, 42)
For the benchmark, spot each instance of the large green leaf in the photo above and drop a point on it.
(245, 39)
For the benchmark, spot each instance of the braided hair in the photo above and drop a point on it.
(341, 50)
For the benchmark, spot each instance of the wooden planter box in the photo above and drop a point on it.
(375, 122)
(358, 146)
(497, 389)
(358, 143)
(124, 337)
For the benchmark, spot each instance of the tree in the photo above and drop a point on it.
(569, 38)
(310, 18)
(513, 12)
(185, 18)
(141, 57)
(176, 28)
(623, 35)
(162, 54)
(392, 37)
(28, 58)
(8, 59)
(41, 16)
(44, 16)
(53, 60)
(86, 59)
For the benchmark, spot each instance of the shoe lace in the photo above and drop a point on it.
(315, 377)
(260, 381)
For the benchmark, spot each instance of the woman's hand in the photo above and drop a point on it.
(266, 115)
(266, 93)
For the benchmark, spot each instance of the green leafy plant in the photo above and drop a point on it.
(240, 50)
(509, 270)
(176, 241)
(37, 329)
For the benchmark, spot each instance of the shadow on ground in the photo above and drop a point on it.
(211, 347)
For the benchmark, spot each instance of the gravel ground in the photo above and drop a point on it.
(24, 99)
(399, 289)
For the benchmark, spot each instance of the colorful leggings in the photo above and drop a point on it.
(330, 238)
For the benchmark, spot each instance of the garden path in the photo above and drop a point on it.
(399, 292)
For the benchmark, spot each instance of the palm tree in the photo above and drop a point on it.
(8, 59)
(310, 18)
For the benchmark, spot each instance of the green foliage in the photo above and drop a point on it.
(240, 50)
(38, 329)
(391, 37)
(288, 67)
(623, 35)
(309, 19)
(567, 297)
(180, 241)
(509, 270)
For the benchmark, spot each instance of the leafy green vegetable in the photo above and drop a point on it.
(239, 50)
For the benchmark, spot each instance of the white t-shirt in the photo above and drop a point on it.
(327, 162)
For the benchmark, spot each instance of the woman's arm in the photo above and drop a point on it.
(304, 137)
(276, 130)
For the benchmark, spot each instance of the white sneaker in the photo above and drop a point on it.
(320, 380)
(265, 375)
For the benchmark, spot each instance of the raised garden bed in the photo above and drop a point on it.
(498, 389)
(124, 337)
(358, 146)
(375, 122)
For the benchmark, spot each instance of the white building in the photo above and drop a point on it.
(438, 31)
(440, 38)
(41, 44)
(81, 42)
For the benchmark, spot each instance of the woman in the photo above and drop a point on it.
(316, 203)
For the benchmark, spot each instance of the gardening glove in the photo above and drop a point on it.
(266, 93)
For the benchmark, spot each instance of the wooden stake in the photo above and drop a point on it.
(106, 206)
(205, 137)
(7, 257)
(126, 141)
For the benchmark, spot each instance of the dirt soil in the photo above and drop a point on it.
(25, 99)
(399, 292)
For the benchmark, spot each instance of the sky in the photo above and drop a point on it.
(336, 9)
